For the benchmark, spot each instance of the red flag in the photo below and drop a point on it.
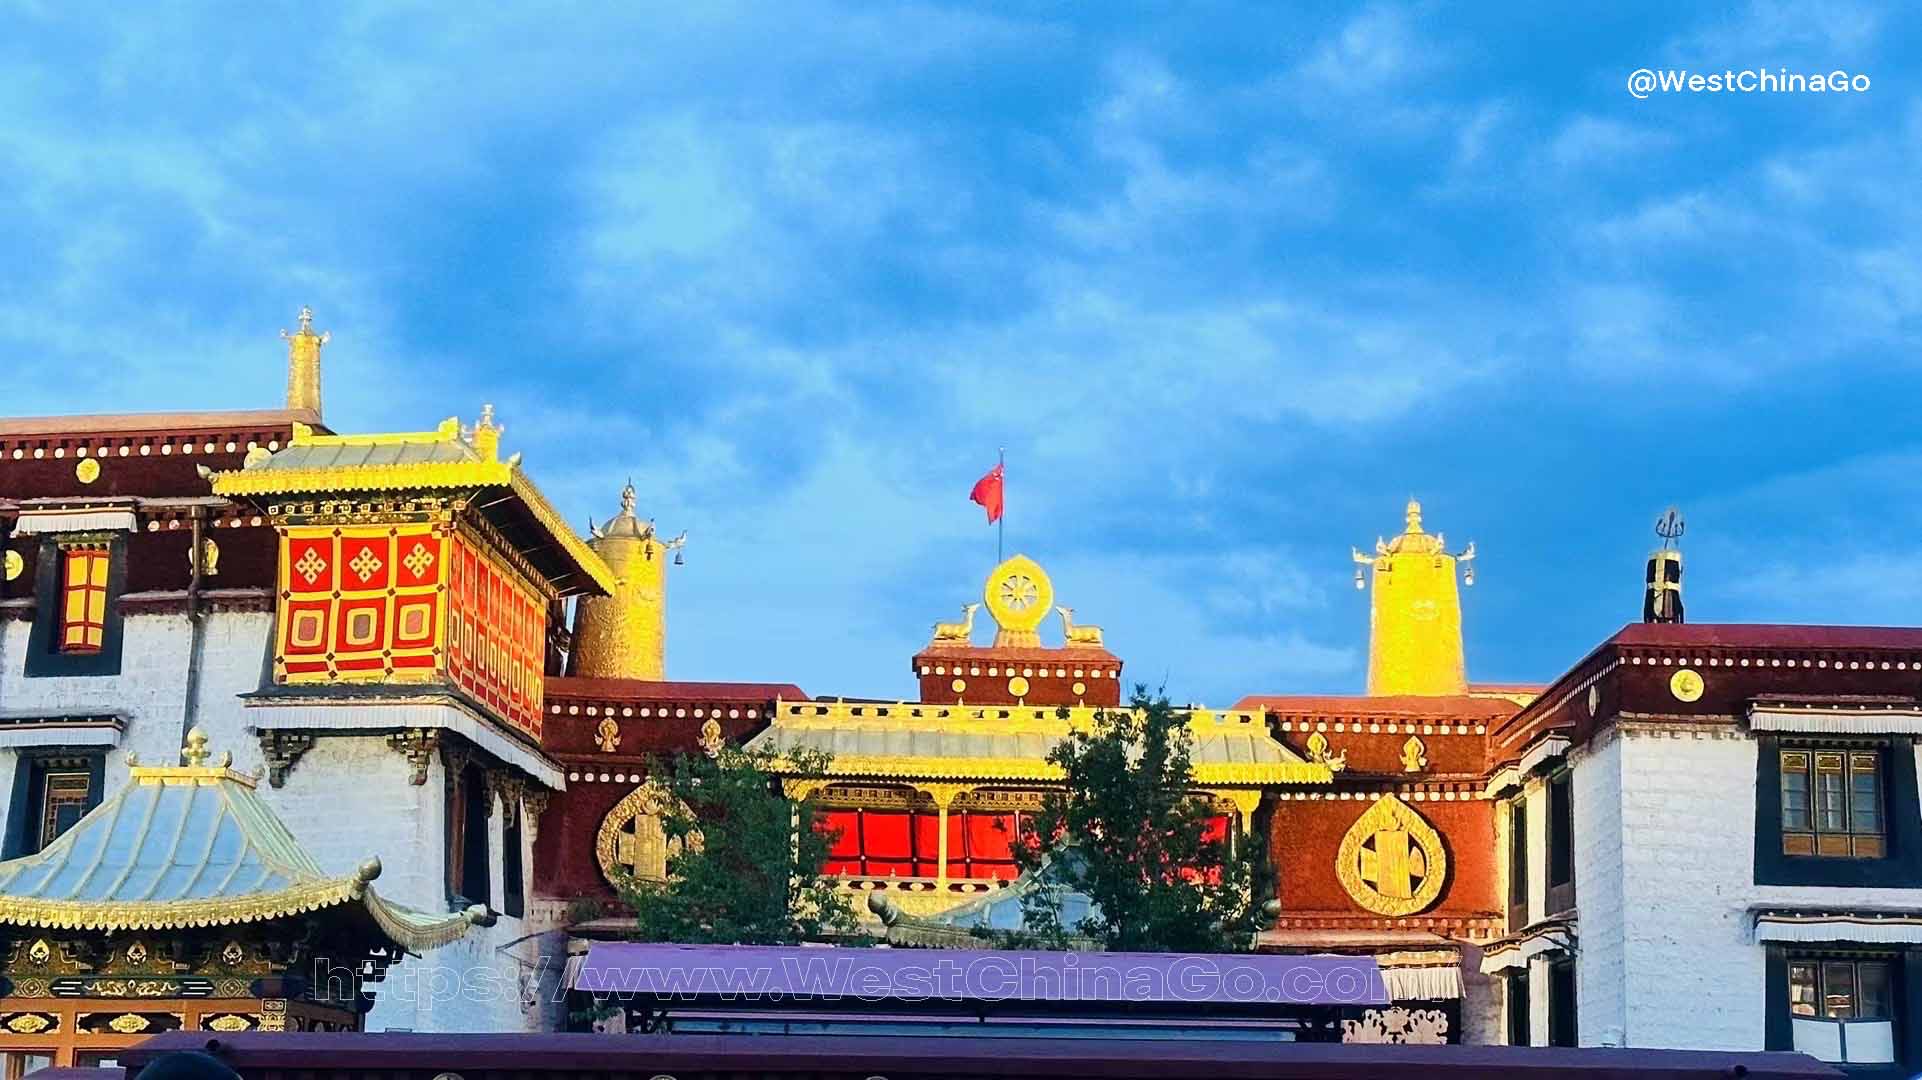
(987, 492)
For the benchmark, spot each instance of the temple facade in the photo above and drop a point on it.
(415, 658)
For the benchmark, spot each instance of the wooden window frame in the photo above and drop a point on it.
(1899, 865)
(27, 811)
(83, 599)
(1806, 828)
(48, 654)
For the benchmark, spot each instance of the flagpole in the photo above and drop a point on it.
(1001, 523)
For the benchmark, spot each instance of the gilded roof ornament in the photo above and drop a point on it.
(1415, 643)
(303, 363)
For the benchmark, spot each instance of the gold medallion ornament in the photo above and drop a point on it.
(1686, 685)
(29, 1023)
(608, 736)
(1414, 755)
(209, 557)
(16, 565)
(631, 842)
(711, 741)
(130, 1023)
(1391, 860)
(87, 471)
(1019, 595)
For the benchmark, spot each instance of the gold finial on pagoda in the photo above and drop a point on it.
(624, 636)
(487, 435)
(1415, 631)
(303, 363)
(195, 752)
(198, 765)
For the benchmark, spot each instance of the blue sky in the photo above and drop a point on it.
(1230, 283)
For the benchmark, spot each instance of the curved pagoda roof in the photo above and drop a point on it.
(440, 460)
(189, 846)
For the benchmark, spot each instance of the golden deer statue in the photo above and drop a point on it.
(957, 631)
(1085, 636)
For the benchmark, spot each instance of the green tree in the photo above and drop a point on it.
(1128, 830)
(745, 863)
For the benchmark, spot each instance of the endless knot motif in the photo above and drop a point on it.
(311, 566)
(366, 564)
(419, 559)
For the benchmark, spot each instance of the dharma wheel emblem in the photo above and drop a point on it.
(1392, 861)
(1019, 595)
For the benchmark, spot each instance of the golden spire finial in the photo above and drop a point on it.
(195, 752)
(487, 435)
(303, 363)
(1415, 639)
(624, 635)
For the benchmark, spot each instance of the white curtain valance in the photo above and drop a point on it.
(1889, 721)
(1422, 983)
(41, 522)
(1894, 928)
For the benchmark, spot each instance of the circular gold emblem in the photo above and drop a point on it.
(1686, 684)
(87, 471)
(1079, 688)
(1018, 686)
(1391, 860)
(15, 565)
(958, 685)
(1019, 595)
(631, 841)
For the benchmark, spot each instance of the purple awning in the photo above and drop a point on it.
(778, 973)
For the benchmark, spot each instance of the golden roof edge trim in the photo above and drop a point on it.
(587, 558)
(1215, 774)
(178, 914)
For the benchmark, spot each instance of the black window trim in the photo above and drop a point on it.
(1517, 1024)
(1563, 1015)
(29, 778)
(1561, 849)
(513, 866)
(44, 658)
(1900, 868)
(1517, 858)
(1778, 1032)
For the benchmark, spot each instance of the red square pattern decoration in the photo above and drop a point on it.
(496, 637)
(360, 603)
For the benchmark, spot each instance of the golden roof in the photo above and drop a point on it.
(416, 460)
(1010, 742)
(1413, 540)
(194, 845)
